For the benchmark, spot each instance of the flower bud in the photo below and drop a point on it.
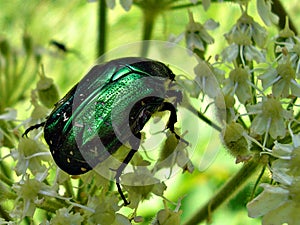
(236, 142)
(168, 217)
(47, 91)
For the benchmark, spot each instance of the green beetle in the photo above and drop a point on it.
(106, 109)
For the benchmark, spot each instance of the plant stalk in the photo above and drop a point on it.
(148, 25)
(102, 27)
(229, 188)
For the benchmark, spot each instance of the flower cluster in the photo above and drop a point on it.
(283, 77)
(267, 93)
(280, 203)
(196, 35)
(256, 103)
(243, 39)
(270, 119)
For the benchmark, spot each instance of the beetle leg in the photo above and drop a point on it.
(36, 126)
(120, 190)
(135, 144)
(167, 106)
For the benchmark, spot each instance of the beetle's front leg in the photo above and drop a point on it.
(36, 126)
(135, 144)
(167, 106)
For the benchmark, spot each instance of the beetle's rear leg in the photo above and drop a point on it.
(36, 126)
(135, 144)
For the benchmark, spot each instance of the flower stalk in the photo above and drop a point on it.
(231, 187)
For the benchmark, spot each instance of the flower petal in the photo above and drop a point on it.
(271, 198)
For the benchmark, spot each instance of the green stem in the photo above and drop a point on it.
(81, 189)
(5, 174)
(148, 25)
(7, 193)
(102, 27)
(291, 104)
(2, 86)
(25, 84)
(199, 114)
(202, 117)
(7, 78)
(253, 91)
(93, 190)
(228, 189)
(241, 121)
(51, 205)
(257, 182)
(69, 189)
(23, 81)
(27, 220)
(4, 214)
(297, 116)
(187, 5)
(209, 122)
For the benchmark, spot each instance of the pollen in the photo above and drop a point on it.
(83, 169)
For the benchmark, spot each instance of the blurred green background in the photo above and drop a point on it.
(74, 23)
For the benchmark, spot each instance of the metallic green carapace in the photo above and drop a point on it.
(107, 108)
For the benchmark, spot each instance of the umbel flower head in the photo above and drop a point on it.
(238, 84)
(287, 49)
(282, 80)
(196, 35)
(271, 118)
(242, 37)
(206, 79)
(281, 203)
